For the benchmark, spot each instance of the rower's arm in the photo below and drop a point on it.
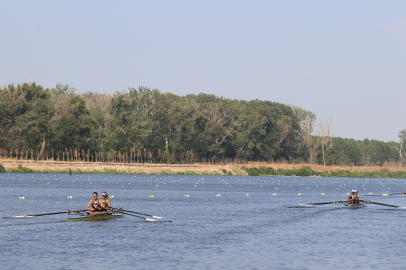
(101, 204)
(88, 205)
(108, 204)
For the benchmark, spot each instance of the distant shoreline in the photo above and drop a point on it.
(12, 165)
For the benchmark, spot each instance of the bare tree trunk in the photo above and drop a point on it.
(325, 132)
(42, 147)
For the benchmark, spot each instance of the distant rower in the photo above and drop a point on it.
(353, 198)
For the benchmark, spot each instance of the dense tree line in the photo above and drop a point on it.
(144, 125)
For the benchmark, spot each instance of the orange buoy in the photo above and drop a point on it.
(43, 189)
(28, 185)
(154, 188)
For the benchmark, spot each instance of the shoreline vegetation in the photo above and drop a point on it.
(147, 126)
(250, 168)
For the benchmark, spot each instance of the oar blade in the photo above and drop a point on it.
(150, 219)
(157, 217)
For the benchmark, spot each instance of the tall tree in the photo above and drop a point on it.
(325, 132)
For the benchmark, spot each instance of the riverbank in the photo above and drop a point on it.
(251, 168)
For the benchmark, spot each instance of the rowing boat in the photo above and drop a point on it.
(354, 206)
(103, 216)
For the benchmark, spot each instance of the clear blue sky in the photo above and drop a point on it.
(346, 59)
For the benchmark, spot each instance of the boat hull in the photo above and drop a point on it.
(105, 216)
(355, 206)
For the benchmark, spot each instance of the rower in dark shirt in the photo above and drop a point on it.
(95, 205)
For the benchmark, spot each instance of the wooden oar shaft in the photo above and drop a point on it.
(56, 213)
(383, 204)
(137, 213)
(148, 219)
(324, 203)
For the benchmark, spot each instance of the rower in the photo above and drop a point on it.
(95, 205)
(353, 198)
(106, 201)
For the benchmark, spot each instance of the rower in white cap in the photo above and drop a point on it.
(353, 198)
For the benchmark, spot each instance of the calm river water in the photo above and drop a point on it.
(229, 231)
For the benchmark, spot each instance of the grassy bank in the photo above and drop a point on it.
(22, 169)
(253, 169)
(307, 171)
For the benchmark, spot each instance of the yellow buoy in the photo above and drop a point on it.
(111, 196)
(247, 194)
(346, 193)
(217, 195)
(186, 195)
(370, 193)
(385, 194)
(275, 194)
(151, 196)
(299, 194)
(323, 193)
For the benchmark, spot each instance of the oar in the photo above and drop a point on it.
(322, 203)
(383, 204)
(48, 214)
(142, 214)
(147, 219)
